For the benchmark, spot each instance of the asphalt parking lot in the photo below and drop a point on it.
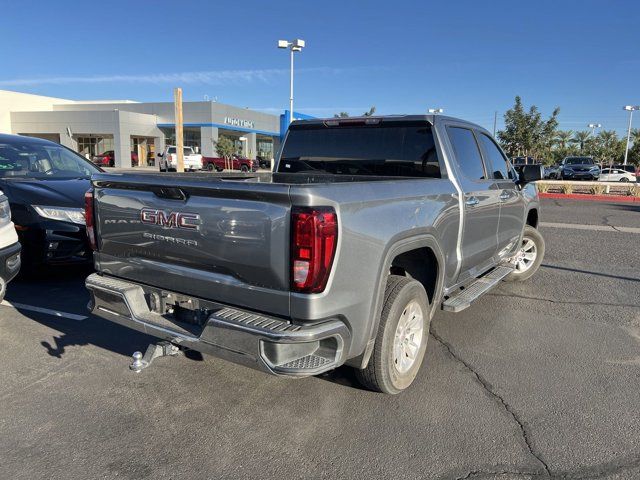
(537, 380)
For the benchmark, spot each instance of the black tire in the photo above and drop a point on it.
(532, 234)
(218, 169)
(381, 373)
(162, 169)
(624, 179)
(244, 168)
(211, 167)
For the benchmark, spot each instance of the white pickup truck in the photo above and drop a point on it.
(9, 246)
(169, 159)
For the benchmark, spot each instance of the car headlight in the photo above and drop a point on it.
(5, 211)
(63, 214)
(594, 169)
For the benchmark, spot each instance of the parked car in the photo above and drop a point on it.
(9, 246)
(45, 184)
(552, 171)
(616, 175)
(628, 168)
(235, 162)
(579, 168)
(264, 162)
(108, 159)
(364, 231)
(168, 160)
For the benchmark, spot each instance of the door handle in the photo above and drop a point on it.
(504, 196)
(471, 202)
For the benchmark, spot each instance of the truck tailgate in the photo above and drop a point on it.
(225, 241)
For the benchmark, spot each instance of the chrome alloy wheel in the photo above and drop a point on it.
(408, 337)
(526, 256)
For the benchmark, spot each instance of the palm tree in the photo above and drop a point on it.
(563, 137)
(580, 138)
(635, 136)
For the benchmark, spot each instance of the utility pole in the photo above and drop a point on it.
(177, 100)
(495, 121)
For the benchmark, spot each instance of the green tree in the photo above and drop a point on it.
(526, 133)
(607, 147)
(225, 148)
(580, 138)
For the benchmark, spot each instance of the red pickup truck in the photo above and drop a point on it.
(236, 163)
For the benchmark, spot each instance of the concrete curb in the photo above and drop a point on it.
(590, 197)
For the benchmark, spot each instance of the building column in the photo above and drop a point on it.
(68, 141)
(208, 140)
(250, 146)
(121, 143)
(158, 144)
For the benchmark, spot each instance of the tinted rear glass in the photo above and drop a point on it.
(396, 149)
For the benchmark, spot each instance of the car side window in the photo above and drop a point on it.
(467, 152)
(496, 158)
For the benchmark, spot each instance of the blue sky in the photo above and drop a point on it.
(470, 58)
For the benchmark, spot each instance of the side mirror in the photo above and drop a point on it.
(530, 173)
(161, 155)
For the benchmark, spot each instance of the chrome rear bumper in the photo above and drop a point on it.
(259, 341)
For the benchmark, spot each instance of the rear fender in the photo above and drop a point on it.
(395, 249)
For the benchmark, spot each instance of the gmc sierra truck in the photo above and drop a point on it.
(341, 256)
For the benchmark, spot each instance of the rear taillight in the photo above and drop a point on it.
(89, 219)
(313, 246)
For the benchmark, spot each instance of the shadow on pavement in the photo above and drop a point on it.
(589, 272)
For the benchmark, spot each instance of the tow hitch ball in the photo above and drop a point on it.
(154, 350)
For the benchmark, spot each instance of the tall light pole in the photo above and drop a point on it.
(593, 127)
(294, 46)
(631, 109)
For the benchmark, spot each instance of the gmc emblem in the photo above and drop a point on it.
(152, 216)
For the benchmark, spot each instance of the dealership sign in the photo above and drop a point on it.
(238, 122)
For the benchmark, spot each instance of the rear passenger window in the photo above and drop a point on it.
(467, 152)
(495, 157)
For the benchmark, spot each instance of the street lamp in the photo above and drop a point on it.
(436, 111)
(630, 109)
(294, 46)
(593, 127)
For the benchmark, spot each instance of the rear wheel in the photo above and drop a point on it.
(211, 167)
(528, 259)
(163, 168)
(624, 179)
(402, 337)
(244, 168)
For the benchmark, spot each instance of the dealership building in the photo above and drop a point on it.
(95, 127)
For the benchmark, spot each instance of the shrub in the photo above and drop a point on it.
(543, 187)
(633, 191)
(567, 188)
(597, 189)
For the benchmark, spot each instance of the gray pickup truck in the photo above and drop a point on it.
(341, 256)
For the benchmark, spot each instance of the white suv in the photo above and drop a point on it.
(169, 159)
(9, 246)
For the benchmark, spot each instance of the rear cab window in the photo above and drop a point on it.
(495, 158)
(467, 153)
(387, 149)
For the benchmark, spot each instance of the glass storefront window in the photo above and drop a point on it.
(192, 137)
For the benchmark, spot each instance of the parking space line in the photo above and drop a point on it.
(47, 311)
(600, 228)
